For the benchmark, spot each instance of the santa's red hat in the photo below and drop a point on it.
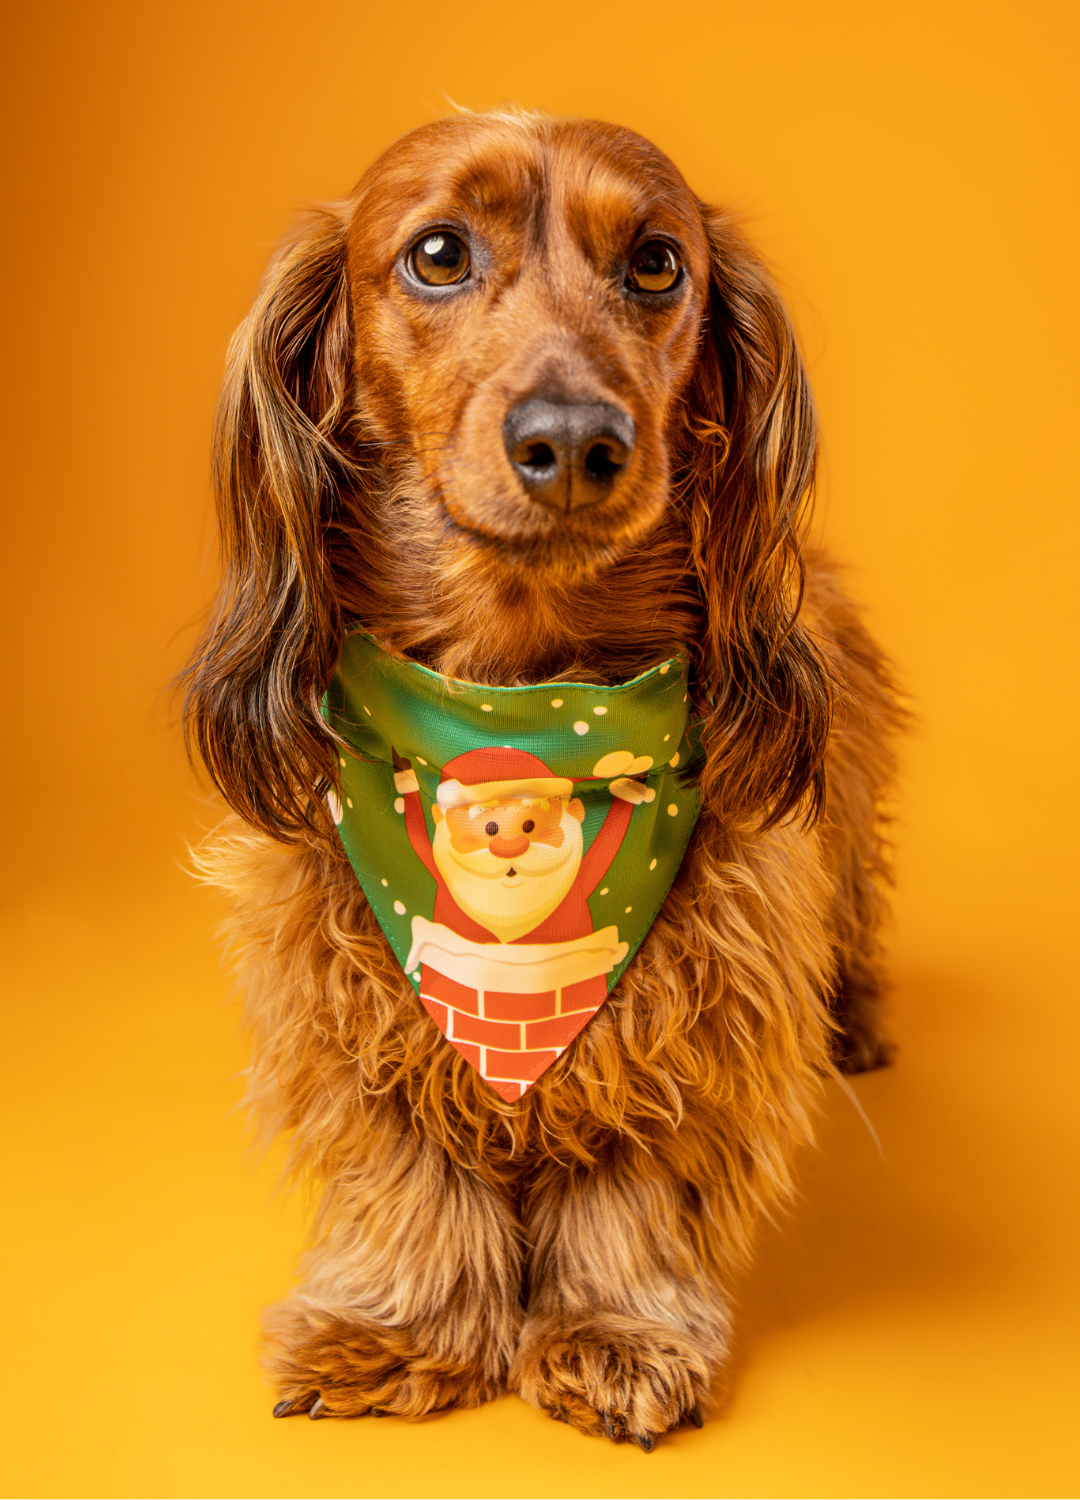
(492, 774)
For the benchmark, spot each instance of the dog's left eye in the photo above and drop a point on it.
(654, 267)
(440, 259)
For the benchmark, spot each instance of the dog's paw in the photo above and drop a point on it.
(326, 1366)
(612, 1376)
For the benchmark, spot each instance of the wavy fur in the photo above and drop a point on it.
(579, 1243)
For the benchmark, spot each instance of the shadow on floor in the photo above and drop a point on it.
(910, 1225)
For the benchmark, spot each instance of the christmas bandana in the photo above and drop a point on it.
(515, 844)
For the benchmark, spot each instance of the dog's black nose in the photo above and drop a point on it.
(568, 454)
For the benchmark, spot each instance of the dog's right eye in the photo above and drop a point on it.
(440, 259)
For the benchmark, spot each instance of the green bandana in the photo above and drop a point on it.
(515, 844)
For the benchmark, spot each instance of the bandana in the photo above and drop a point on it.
(515, 844)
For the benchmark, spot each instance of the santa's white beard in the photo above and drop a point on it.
(510, 905)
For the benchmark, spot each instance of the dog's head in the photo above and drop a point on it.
(531, 298)
(519, 355)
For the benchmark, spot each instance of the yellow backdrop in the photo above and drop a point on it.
(912, 1329)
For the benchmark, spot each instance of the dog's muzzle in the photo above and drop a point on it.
(568, 455)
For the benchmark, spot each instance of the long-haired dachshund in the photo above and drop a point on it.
(521, 410)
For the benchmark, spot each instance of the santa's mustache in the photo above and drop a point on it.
(538, 859)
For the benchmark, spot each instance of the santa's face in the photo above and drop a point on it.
(509, 863)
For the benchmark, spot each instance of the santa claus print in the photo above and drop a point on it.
(511, 967)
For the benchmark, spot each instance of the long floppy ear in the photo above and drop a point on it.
(281, 459)
(746, 470)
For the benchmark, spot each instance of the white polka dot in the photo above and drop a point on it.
(581, 727)
(674, 761)
(421, 761)
(652, 864)
(348, 801)
(399, 908)
(556, 703)
(666, 738)
(339, 758)
(416, 976)
(600, 711)
(665, 669)
(384, 882)
(605, 890)
(672, 810)
(399, 804)
(629, 909)
(486, 708)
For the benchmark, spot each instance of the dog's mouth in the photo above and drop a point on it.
(553, 473)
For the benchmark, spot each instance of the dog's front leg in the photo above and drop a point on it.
(625, 1333)
(411, 1299)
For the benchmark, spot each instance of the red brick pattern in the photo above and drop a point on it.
(500, 1007)
(470, 1054)
(449, 991)
(509, 1039)
(559, 1031)
(487, 1033)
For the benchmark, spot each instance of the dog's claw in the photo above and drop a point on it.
(318, 1410)
(645, 1441)
(377, 1411)
(284, 1409)
(695, 1416)
(609, 1426)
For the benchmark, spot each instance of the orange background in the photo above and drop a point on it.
(911, 1330)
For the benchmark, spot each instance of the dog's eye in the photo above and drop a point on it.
(654, 267)
(440, 259)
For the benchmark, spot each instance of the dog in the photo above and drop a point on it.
(523, 411)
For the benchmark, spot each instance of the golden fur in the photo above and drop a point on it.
(577, 1245)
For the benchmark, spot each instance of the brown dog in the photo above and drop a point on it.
(528, 411)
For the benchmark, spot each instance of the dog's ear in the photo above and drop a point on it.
(281, 460)
(745, 462)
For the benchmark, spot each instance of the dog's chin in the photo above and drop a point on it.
(527, 534)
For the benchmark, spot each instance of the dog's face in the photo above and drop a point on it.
(531, 296)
